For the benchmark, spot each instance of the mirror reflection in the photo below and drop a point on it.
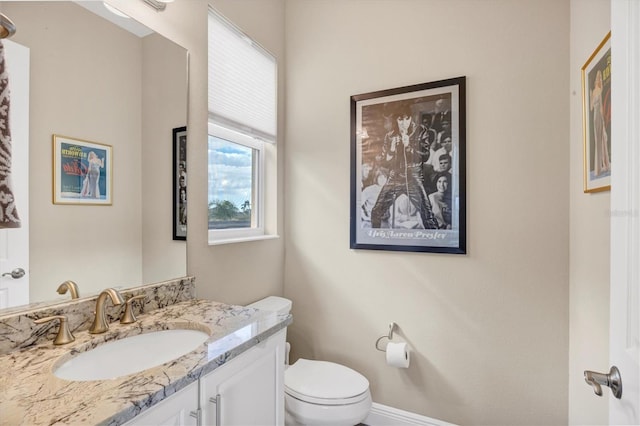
(91, 80)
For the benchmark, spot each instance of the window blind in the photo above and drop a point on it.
(242, 81)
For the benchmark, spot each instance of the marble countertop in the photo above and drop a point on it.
(30, 394)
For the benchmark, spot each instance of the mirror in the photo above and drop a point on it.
(95, 81)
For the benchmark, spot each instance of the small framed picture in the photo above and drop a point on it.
(180, 183)
(82, 172)
(408, 168)
(596, 121)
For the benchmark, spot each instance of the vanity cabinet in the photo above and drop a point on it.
(179, 409)
(247, 390)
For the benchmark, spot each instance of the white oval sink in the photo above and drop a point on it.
(130, 355)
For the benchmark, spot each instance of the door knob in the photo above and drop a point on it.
(613, 380)
(15, 274)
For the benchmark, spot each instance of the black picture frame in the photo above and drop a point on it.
(180, 183)
(409, 199)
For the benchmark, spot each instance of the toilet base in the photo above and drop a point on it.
(303, 413)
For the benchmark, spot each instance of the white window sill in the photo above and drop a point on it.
(242, 239)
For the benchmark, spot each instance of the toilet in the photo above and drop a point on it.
(320, 392)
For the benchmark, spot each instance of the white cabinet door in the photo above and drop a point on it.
(248, 390)
(180, 409)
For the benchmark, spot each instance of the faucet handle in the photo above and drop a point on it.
(128, 316)
(64, 334)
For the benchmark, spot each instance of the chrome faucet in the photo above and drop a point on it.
(100, 324)
(70, 286)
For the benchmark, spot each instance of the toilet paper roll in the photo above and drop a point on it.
(398, 354)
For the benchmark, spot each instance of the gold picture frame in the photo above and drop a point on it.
(82, 172)
(596, 118)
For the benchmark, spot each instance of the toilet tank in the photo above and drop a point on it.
(279, 305)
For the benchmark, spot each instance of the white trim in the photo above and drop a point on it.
(257, 230)
(234, 234)
(382, 415)
(223, 122)
(214, 242)
(234, 136)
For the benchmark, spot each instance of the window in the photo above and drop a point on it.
(236, 164)
(242, 125)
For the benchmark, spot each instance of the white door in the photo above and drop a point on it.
(14, 243)
(624, 348)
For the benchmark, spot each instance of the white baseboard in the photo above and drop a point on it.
(381, 415)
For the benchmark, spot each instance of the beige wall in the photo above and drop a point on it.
(237, 273)
(164, 107)
(244, 272)
(107, 86)
(589, 242)
(88, 90)
(489, 329)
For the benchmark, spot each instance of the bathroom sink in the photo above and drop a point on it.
(130, 355)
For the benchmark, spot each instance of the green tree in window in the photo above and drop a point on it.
(246, 206)
(222, 210)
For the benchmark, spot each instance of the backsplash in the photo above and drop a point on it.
(18, 331)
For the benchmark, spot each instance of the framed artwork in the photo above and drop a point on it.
(82, 172)
(596, 118)
(180, 183)
(408, 168)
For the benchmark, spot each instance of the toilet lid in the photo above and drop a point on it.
(323, 380)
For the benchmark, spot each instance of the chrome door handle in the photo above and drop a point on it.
(15, 274)
(196, 415)
(612, 380)
(217, 401)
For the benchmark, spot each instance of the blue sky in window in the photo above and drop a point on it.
(230, 171)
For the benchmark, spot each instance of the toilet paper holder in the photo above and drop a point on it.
(389, 336)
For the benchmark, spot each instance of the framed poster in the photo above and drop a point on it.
(596, 121)
(408, 168)
(82, 172)
(180, 183)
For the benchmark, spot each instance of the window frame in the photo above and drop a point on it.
(222, 236)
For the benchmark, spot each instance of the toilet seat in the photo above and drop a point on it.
(325, 383)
